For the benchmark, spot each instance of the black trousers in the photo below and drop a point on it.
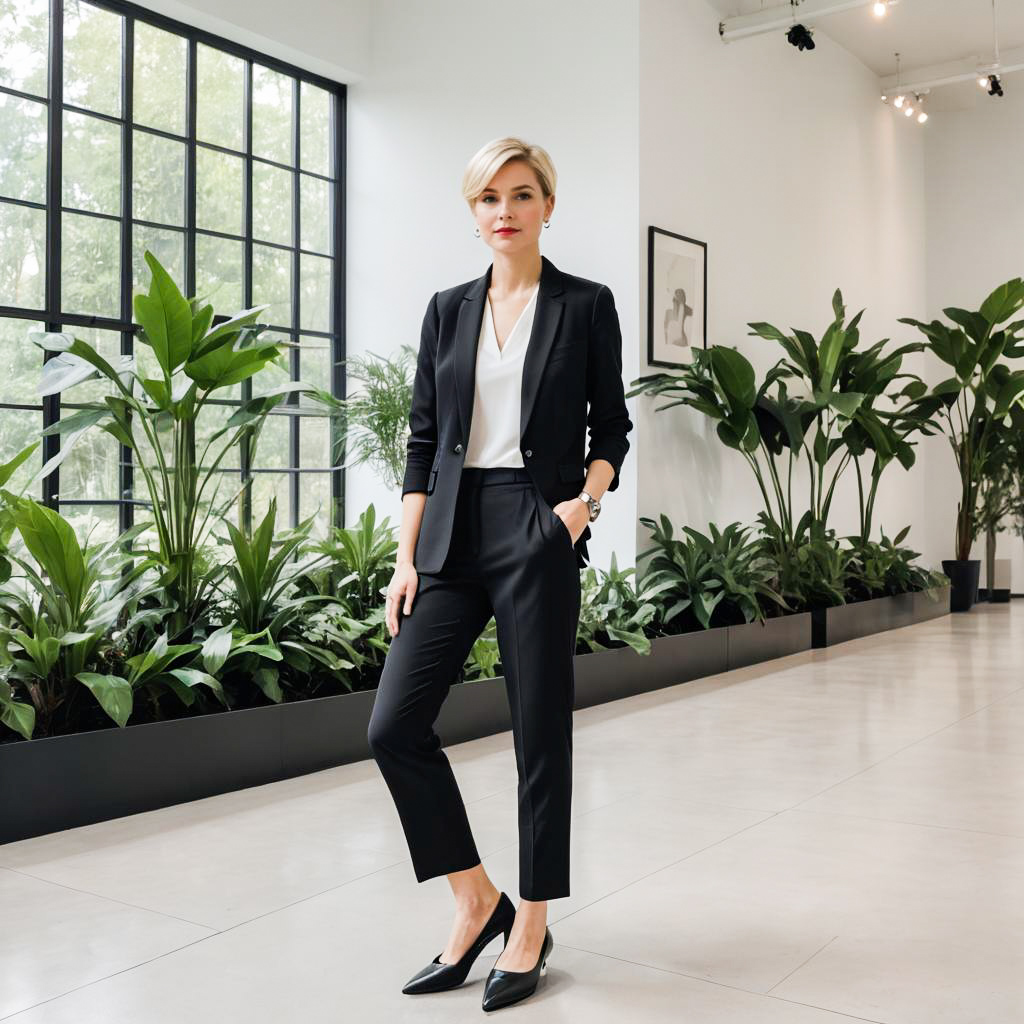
(510, 557)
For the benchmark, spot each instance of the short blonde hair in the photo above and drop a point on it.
(489, 159)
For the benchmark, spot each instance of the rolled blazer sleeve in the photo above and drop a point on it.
(608, 420)
(421, 445)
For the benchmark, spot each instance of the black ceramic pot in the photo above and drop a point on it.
(963, 575)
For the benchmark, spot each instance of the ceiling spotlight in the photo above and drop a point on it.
(922, 117)
(994, 86)
(983, 81)
(908, 110)
(880, 9)
(800, 37)
(899, 101)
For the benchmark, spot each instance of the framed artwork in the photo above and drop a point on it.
(677, 297)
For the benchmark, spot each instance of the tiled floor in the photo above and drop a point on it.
(835, 836)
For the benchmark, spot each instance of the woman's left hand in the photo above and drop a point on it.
(575, 516)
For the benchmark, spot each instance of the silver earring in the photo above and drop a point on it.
(547, 223)
(477, 231)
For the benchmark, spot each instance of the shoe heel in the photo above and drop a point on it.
(508, 934)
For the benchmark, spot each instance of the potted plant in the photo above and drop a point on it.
(979, 395)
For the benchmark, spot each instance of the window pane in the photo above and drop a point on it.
(274, 374)
(91, 469)
(22, 148)
(219, 179)
(272, 115)
(92, 58)
(93, 524)
(24, 43)
(315, 362)
(90, 265)
(213, 417)
(19, 428)
(158, 170)
(315, 129)
(21, 363)
(167, 246)
(219, 273)
(315, 442)
(91, 164)
(266, 486)
(272, 284)
(22, 255)
(315, 498)
(315, 284)
(272, 203)
(159, 99)
(273, 449)
(315, 214)
(220, 101)
(108, 344)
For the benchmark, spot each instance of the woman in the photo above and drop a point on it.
(513, 369)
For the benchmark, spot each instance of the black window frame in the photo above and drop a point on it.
(53, 318)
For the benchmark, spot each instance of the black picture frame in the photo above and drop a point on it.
(685, 248)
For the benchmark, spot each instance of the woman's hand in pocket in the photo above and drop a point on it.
(575, 515)
(401, 591)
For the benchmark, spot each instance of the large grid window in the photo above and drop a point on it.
(121, 131)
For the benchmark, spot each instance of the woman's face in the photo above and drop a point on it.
(512, 199)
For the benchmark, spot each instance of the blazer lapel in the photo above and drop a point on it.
(547, 317)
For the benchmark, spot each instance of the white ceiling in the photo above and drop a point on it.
(924, 32)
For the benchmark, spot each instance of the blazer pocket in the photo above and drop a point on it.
(569, 471)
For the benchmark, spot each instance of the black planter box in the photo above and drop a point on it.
(862, 618)
(62, 782)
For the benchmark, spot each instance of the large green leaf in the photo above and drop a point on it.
(53, 544)
(165, 317)
(113, 693)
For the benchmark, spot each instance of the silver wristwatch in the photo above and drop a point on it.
(592, 503)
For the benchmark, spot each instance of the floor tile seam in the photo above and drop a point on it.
(202, 938)
(108, 899)
(670, 864)
(719, 984)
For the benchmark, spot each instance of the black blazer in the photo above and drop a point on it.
(573, 359)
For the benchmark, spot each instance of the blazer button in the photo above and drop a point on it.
(528, 453)
(458, 448)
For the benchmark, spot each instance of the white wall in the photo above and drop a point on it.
(800, 181)
(975, 216)
(328, 38)
(437, 89)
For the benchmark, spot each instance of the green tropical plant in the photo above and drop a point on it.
(882, 568)
(156, 417)
(1000, 489)
(57, 618)
(618, 606)
(373, 423)
(981, 392)
(361, 561)
(702, 572)
(263, 577)
(829, 418)
(8, 508)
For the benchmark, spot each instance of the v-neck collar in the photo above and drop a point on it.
(515, 327)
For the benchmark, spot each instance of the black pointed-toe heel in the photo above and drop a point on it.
(506, 987)
(437, 977)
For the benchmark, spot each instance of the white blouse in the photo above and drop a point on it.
(494, 431)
